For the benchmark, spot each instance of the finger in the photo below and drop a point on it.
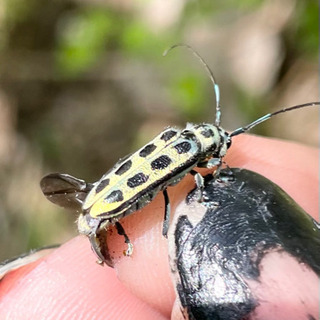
(147, 273)
(292, 166)
(286, 289)
(280, 272)
(68, 284)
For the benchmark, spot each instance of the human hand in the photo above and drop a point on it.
(69, 284)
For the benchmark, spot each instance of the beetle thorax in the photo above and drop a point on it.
(213, 141)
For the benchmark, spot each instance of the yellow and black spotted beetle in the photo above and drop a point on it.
(136, 179)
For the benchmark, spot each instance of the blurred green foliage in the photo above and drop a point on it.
(137, 40)
(188, 93)
(307, 30)
(82, 38)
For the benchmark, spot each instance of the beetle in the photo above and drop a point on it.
(136, 179)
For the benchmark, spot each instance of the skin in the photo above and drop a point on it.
(68, 284)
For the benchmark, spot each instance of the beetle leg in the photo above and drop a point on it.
(100, 248)
(121, 232)
(166, 219)
(213, 162)
(226, 175)
(198, 178)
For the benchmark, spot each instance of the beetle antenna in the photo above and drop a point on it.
(270, 115)
(210, 73)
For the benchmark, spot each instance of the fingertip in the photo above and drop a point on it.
(69, 282)
(292, 166)
(177, 312)
(70, 279)
(146, 272)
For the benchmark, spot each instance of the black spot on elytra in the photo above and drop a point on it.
(102, 185)
(207, 133)
(124, 168)
(161, 163)
(183, 147)
(168, 135)
(137, 180)
(114, 196)
(147, 150)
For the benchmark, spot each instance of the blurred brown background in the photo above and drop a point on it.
(83, 83)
